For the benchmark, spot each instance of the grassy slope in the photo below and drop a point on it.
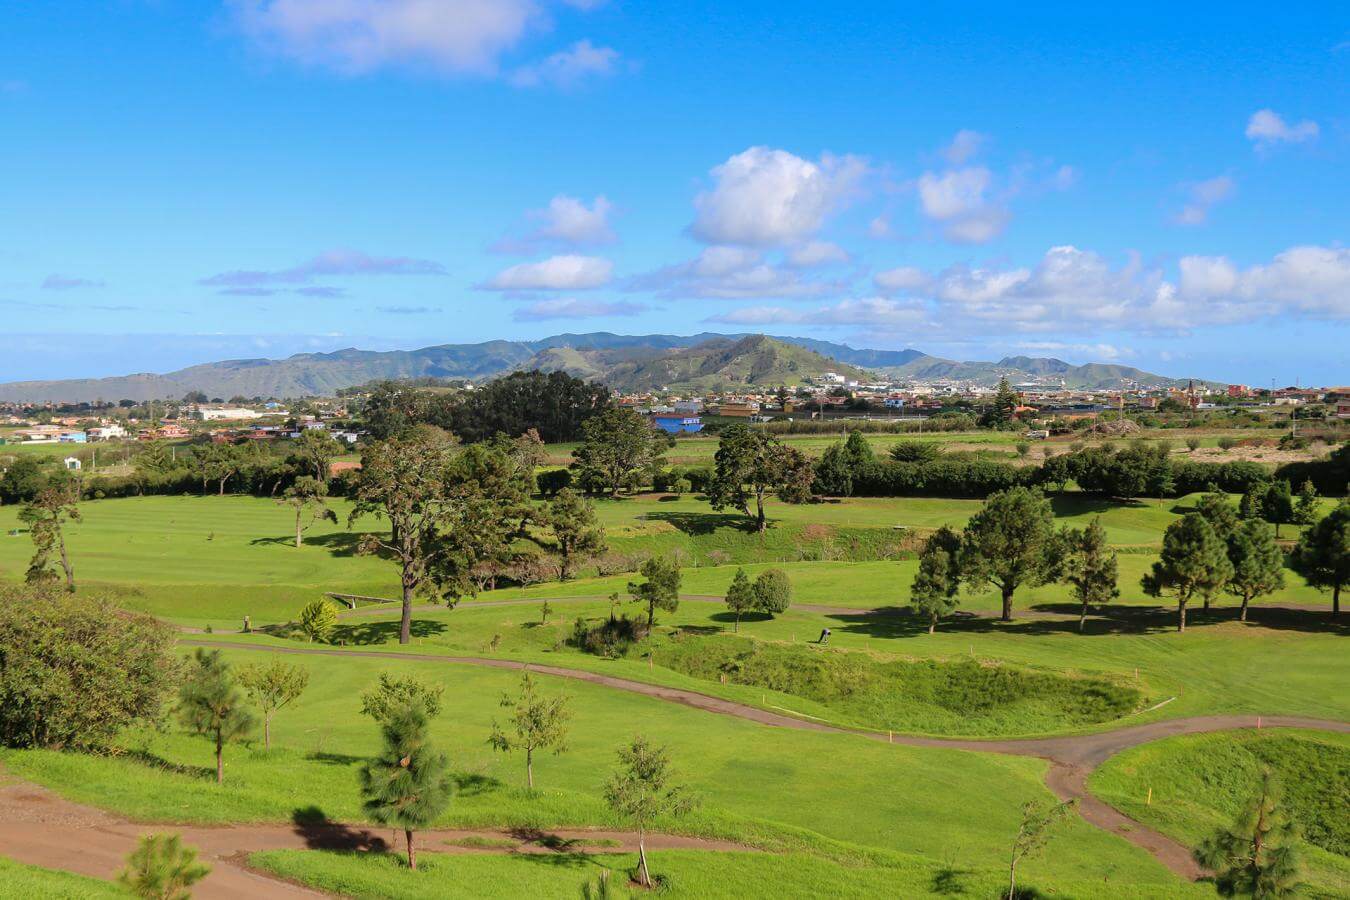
(1201, 782)
(35, 883)
(790, 789)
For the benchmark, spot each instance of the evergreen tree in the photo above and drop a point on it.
(1250, 505)
(1277, 506)
(1257, 856)
(1258, 564)
(576, 531)
(45, 515)
(857, 451)
(936, 586)
(318, 619)
(773, 592)
(1220, 514)
(661, 590)
(161, 868)
(1193, 561)
(1005, 404)
(1090, 568)
(408, 785)
(1010, 542)
(307, 494)
(750, 463)
(393, 692)
(740, 597)
(642, 790)
(1307, 507)
(538, 723)
(618, 445)
(211, 704)
(1322, 555)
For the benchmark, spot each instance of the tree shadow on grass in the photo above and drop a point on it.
(564, 851)
(338, 543)
(155, 761)
(747, 618)
(334, 759)
(472, 784)
(703, 523)
(902, 623)
(948, 880)
(321, 833)
(1085, 504)
(362, 634)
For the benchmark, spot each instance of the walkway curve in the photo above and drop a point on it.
(40, 828)
(1072, 758)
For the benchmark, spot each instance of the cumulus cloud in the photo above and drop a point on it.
(569, 272)
(963, 147)
(1310, 280)
(66, 283)
(959, 200)
(902, 280)
(1267, 128)
(329, 264)
(764, 197)
(1202, 196)
(568, 221)
(1106, 352)
(572, 308)
(732, 273)
(816, 253)
(451, 36)
(568, 68)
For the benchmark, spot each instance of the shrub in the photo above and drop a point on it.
(773, 591)
(74, 670)
(553, 480)
(914, 451)
(612, 638)
(317, 621)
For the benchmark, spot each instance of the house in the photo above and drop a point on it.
(672, 424)
(72, 464)
(1343, 409)
(738, 410)
(106, 433)
(224, 413)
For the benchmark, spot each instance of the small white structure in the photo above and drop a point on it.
(106, 432)
(72, 464)
(224, 413)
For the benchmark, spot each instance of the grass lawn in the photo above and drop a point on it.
(36, 883)
(682, 873)
(1201, 782)
(839, 796)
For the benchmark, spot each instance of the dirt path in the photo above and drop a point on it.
(1072, 758)
(40, 828)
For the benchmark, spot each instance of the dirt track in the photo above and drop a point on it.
(1072, 758)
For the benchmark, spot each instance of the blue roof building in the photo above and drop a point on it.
(678, 424)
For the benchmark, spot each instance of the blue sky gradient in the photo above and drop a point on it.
(188, 181)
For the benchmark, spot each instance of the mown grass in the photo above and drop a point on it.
(37, 883)
(681, 873)
(959, 697)
(1201, 782)
(834, 795)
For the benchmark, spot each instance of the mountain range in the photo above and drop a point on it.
(705, 361)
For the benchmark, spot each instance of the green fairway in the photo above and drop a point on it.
(1200, 783)
(835, 795)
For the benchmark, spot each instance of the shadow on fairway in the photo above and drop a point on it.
(696, 523)
(471, 784)
(566, 852)
(339, 543)
(364, 634)
(154, 761)
(1079, 505)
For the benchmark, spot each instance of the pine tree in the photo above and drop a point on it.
(1322, 555)
(1193, 561)
(1090, 568)
(661, 590)
(211, 704)
(740, 597)
(1005, 403)
(408, 785)
(1258, 564)
(937, 584)
(1257, 856)
(1306, 508)
(161, 868)
(576, 531)
(45, 515)
(1010, 542)
(1277, 506)
(539, 723)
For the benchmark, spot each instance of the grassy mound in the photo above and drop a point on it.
(1201, 782)
(934, 696)
(35, 883)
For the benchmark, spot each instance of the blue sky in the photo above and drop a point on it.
(188, 181)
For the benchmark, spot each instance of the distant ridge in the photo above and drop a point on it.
(704, 361)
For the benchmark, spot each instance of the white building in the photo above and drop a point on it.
(106, 433)
(224, 413)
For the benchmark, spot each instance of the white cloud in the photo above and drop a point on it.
(342, 262)
(569, 272)
(572, 308)
(67, 283)
(816, 253)
(964, 146)
(1311, 280)
(566, 221)
(1106, 352)
(902, 280)
(1267, 128)
(358, 36)
(877, 312)
(1202, 196)
(732, 273)
(958, 199)
(765, 197)
(568, 68)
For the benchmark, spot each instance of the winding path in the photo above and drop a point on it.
(1072, 758)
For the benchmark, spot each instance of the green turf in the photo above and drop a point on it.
(36, 883)
(838, 795)
(1201, 782)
